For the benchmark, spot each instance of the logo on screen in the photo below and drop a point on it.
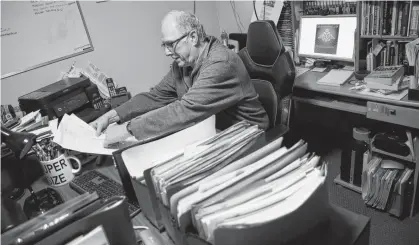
(326, 39)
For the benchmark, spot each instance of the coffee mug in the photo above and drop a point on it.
(59, 171)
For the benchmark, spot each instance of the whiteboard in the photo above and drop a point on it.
(38, 33)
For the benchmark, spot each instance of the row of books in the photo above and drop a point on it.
(389, 53)
(393, 53)
(384, 186)
(329, 7)
(396, 18)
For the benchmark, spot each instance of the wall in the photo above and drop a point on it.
(244, 10)
(126, 38)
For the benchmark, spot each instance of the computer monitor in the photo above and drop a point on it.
(327, 37)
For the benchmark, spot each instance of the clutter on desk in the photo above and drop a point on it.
(118, 95)
(386, 75)
(46, 150)
(97, 77)
(386, 82)
(37, 124)
(9, 113)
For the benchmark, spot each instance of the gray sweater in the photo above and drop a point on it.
(218, 84)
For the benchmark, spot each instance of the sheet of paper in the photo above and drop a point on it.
(74, 134)
(268, 10)
(142, 157)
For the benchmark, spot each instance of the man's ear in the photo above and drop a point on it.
(194, 38)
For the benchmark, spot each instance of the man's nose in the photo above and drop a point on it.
(167, 51)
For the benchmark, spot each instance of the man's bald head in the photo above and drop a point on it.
(182, 22)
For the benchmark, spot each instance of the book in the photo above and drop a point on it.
(414, 20)
(385, 74)
(335, 78)
(399, 84)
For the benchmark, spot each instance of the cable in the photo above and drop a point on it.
(238, 15)
(194, 7)
(264, 10)
(235, 16)
(254, 8)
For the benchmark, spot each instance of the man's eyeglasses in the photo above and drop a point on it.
(171, 45)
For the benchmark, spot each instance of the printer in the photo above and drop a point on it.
(69, 95)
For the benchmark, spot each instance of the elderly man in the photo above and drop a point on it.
(205, 79)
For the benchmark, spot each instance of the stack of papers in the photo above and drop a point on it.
(208, 186)
(335, 77)
(380, 183)
(75, 134)
(37, 124)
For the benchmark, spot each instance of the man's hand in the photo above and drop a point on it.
(103, 121)
(116, 133)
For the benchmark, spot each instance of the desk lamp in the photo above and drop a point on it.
(21, 143)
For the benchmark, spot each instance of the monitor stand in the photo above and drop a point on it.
(328, 64)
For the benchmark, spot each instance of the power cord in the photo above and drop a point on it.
(254, 8)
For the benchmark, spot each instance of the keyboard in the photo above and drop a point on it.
(104, 186)
(299, 70)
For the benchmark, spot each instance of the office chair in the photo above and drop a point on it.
(267, 62)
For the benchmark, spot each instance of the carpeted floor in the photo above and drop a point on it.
(385, 229)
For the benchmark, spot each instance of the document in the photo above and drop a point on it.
(268, 10)
(75, 134)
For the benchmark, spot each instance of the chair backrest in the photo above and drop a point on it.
(266, 59)
(268, 98)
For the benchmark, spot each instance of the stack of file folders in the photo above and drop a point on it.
(385, 188)
(272, 195)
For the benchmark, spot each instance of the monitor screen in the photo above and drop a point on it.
(327, 37)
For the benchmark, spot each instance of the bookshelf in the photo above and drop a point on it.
(384, 27)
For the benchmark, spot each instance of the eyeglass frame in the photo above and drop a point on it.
(171, 45)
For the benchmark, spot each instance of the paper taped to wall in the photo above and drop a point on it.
(268, 10)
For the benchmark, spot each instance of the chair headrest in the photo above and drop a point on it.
(263, 42)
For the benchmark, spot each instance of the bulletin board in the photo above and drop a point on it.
(38, 33)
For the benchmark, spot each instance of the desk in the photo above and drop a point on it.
(307, 81)
(67, 193)
(402, 112)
